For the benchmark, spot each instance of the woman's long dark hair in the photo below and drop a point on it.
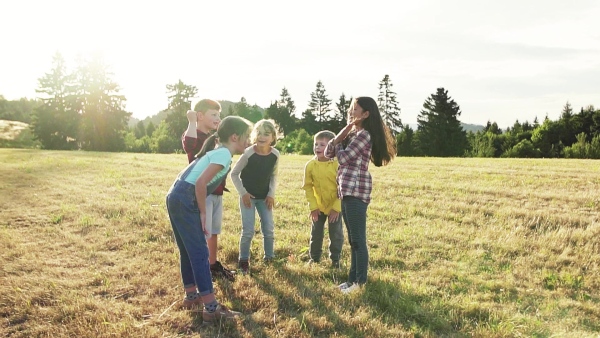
(384, 145)
(230, 125)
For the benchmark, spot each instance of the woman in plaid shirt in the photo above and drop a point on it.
(365, 138)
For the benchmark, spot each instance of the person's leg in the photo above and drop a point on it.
(352, 272)
(187, 275)
(210, 220)
(267, 226)
(356, 216)
(216, 268)
(336, 240)
(316, 238)
(248, 219)
(185, 219)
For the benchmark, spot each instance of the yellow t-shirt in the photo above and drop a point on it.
(320, 185)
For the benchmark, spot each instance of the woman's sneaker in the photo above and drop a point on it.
(344, 285)
(222, 312)
(217, 270)
(352, 288)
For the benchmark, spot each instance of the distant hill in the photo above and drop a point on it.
(10, 130)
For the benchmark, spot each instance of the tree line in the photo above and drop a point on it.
(82, 109)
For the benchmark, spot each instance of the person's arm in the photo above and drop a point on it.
(201, 190)
(237, 171)
(309, 192)
(192, 128)
(308, 186)
(337, 204)
(270, 199)
(189, 139)
(273, 181)
(359, 142)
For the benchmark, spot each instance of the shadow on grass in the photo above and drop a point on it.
(396, 307)
(289, 308)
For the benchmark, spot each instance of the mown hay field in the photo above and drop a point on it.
(458, 247)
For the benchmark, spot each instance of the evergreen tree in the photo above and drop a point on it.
(404, 142)
(180, 101)
(340, 119)
(287, 120)
(140, 130)
(243, 109)
(319, 105)
(150, 128)
(439, 131)
(309, 122)
(55, 123)
(388, 106)
(492, 128)
(546, 138)
(103, 116)
(568, 133)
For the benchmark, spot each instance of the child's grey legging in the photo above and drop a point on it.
(354, 212)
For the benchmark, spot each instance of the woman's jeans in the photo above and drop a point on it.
(336, 238)
(267, 227)
(354, 211)
(193, 250)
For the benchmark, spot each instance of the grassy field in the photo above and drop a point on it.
(458, 247)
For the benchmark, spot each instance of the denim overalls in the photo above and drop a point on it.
(187, 228)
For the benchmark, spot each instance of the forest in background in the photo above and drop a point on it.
(82, 109)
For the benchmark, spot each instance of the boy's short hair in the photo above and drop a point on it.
(205, 105)
(263, 126)
(325, 134)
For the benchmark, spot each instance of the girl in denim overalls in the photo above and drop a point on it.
(186, 204)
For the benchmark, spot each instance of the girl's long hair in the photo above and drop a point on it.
(230, 125)
(384, 145)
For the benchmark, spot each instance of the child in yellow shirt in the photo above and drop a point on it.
(320, 186)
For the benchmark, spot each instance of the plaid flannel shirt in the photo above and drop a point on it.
(353, 175)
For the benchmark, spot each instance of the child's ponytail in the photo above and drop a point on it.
(230, 125)
(209, 144)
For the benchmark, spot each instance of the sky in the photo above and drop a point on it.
(499, 60)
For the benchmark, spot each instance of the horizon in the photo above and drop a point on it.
(500, 62)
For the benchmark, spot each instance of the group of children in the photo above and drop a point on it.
(337, 186)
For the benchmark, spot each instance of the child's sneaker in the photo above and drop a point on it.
(222, 312)
(217, 270)
(245, 267)
(191, 304)
(352, 288)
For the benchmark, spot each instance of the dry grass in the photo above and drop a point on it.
(459, 247)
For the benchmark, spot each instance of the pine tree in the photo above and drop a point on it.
(140, 130)
(439, 131)
(287, 119)
(180, 101)
(309, 122)
(103, 116)
(340, 119)
(319, 105)
(388, 106)
(55, 123)
(282, 112)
